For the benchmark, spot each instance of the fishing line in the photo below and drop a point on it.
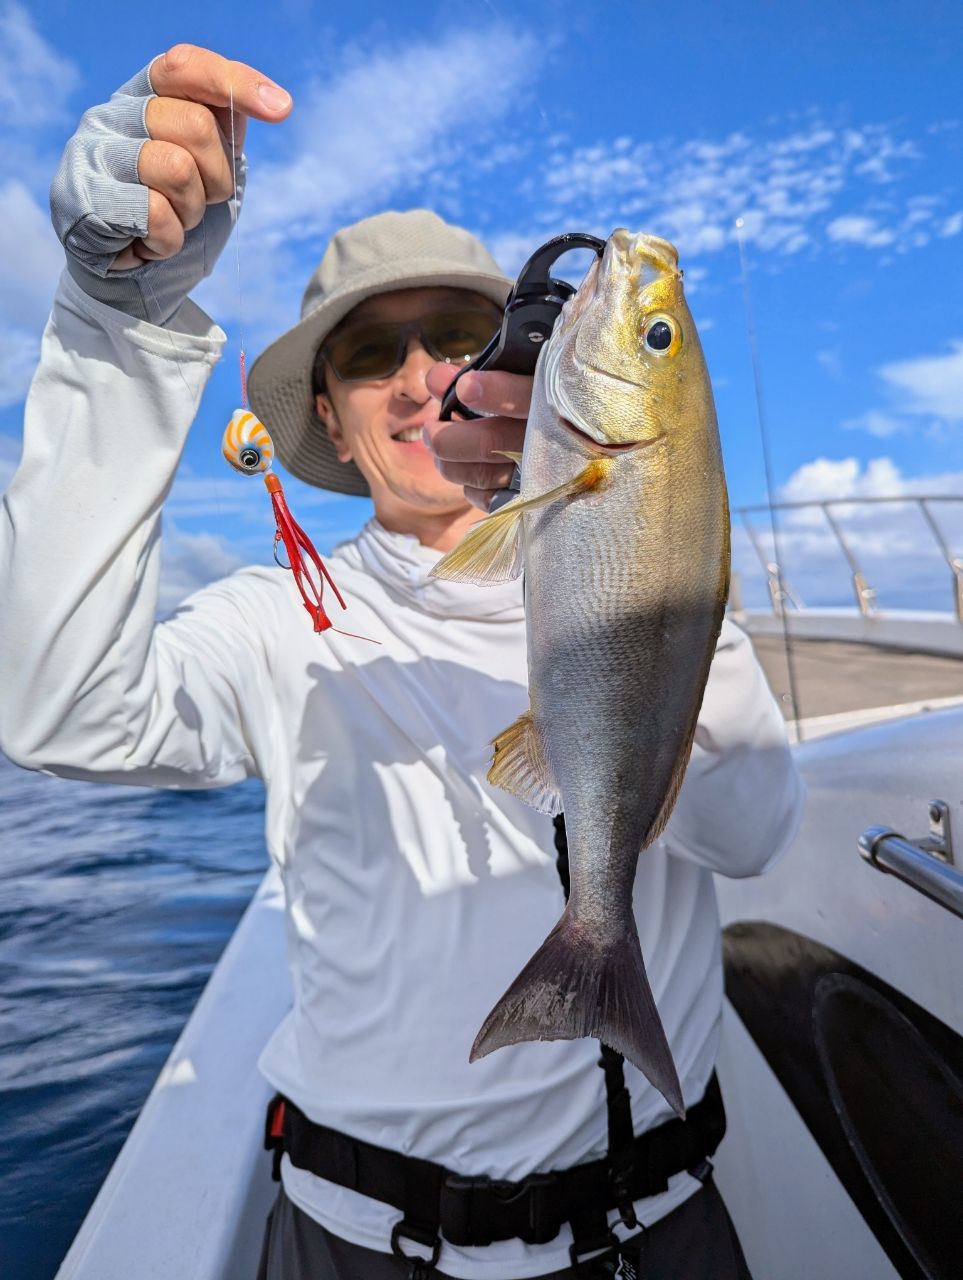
(193, 392)
(248, 448)
(237, 251)
(767, 466)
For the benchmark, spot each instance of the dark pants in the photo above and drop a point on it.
(697, 1241)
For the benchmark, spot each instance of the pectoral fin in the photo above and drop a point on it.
(491, 550)
(512, 457)
(519, 765)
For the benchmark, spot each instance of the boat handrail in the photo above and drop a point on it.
(781, 593)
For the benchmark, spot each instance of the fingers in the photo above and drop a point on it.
(171, 172)
(192, 128)
(165, 231)
(477, 475)
(478, 440)
(200, 75)
(472, 453)
(185, 166)
(165, 236)
(506, 394)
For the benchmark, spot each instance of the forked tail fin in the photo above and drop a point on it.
(574, 987)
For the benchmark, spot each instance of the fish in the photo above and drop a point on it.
(621, 527)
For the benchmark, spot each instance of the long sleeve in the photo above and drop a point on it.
(89, 685)
(742, 799)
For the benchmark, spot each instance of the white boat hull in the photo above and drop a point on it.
(793, 1212)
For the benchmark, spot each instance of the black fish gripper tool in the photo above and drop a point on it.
(530, 313)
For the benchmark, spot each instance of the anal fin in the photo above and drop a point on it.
(519, 766)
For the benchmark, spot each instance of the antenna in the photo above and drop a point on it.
(767, 465)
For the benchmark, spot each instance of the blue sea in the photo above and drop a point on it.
(115, 903)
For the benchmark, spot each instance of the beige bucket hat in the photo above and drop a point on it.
(390, 251)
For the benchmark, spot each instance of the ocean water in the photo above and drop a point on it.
(115, 903)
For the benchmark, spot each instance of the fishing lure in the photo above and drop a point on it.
(248, 447)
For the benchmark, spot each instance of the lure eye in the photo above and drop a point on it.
(661, 335)
(250, 459)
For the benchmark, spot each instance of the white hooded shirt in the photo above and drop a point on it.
(415, 891)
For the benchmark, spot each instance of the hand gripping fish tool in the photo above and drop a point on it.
(532, 308)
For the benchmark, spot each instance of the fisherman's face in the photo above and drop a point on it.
(377, 423)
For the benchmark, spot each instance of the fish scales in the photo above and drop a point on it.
(622, 528)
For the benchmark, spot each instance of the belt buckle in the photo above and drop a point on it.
(460, 1200)
(472, 1202)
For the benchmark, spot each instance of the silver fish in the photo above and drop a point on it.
(622, 529)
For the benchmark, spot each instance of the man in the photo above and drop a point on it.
(414, 891)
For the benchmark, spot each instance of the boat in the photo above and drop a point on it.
(842, 1048)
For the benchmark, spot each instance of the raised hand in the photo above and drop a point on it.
(140, 200)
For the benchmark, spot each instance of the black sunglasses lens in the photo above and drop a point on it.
(458, 336)
(370, 351)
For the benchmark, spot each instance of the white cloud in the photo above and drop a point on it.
(35, 80)
(859, 230)
(783, 187)
(28, 277)
(18, 359)
(892, 542)
(953, 225)
(30, 267)
(930, 385)
(878, 164)
(35, 84)
(924, 387)
(825, 478)
(190, 561)
(880, 425)
(831, 362)
(511, 249)
(244, 497)
(397, 126)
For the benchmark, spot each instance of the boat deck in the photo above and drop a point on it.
(834, 676)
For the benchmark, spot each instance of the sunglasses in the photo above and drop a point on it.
(378, 348)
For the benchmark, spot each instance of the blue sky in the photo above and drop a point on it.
(836, 132)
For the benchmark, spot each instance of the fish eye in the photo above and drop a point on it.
(661, 335)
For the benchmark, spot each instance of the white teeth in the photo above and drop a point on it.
(409, 435)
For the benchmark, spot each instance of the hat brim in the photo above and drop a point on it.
(279, 383)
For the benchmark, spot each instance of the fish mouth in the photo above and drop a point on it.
(625, 447)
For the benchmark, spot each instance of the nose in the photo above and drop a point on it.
(410, 378)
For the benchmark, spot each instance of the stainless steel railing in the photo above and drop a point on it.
(781, 594)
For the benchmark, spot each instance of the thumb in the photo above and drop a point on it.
(440, 377)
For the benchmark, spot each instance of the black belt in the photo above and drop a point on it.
(478, 1211)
